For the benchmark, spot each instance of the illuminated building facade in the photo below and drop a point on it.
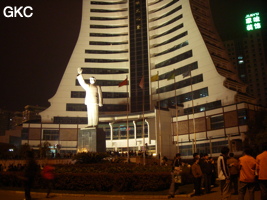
(248, 55)
(171, 55)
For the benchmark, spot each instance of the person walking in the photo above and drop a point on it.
(48, 176)
(261, 165)
(197, 176)
(247, 175)
(223, 174)
(175, 174)
(30, 171)
(234, 172)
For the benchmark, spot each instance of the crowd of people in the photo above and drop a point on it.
(236, 176)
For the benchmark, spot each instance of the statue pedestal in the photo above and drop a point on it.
(91, 139)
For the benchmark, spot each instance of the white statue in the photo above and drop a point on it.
(93, 98)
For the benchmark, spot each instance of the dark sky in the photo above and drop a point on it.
(35, 51)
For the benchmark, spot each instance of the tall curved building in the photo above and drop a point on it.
(181, 81)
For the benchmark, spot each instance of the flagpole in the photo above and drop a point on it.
(193, 110)
(143, 102)
(176, 114)
(128, 156)
(160, 132)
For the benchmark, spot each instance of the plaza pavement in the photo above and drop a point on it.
(19, 195)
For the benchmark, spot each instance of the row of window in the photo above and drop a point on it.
(168, 32)
(105, 51)
(187, 150)
(107, 10)
(99, 60)
(104, 108)
(175, 59)
(107, 43)
(166, 14)
(179, 71)
(203, 107)
(81, 94)
(184, 97)
(174, 48)
(165, 6)
(107, 18)
(107, 26)
(104, 71)
(108, 3)
(168, 22)
(102, 82)
(181, 84)
(177, 37)
(107, 34)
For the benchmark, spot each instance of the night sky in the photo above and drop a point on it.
(35, 51)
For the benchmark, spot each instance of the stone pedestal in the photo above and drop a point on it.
(92, 140)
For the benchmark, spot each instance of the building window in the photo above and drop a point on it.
(185, 150)
(139, 130)
(217, 122)
(25, 134)
(51, 134)
(107, 34)
(242, 117)
(70, 120)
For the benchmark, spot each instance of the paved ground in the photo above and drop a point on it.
(19, 195)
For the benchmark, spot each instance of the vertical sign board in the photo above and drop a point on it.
(253, 21)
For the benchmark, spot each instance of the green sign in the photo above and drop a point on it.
(253, 21)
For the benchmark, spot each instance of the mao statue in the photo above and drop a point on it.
(93, 98)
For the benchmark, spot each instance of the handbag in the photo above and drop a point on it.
(177, 178)
(176, 174)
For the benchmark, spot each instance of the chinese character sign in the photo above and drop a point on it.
(253, 21)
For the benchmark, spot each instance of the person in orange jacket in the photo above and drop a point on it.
(261, 166)
(247, 175)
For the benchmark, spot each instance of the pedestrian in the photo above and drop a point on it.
(223, 173)
(247, 175)
(175, 174)
(207, 173)
(197, 175)
(201, 162)
(48, 176)
(213, 174)
(30, 171)
(261, 164)
(234, 172)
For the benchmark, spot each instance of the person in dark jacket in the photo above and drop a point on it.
(207, 172)
(30, 172)
(197, 175)
(176, 169)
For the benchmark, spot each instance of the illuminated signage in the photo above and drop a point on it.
(253, 21)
